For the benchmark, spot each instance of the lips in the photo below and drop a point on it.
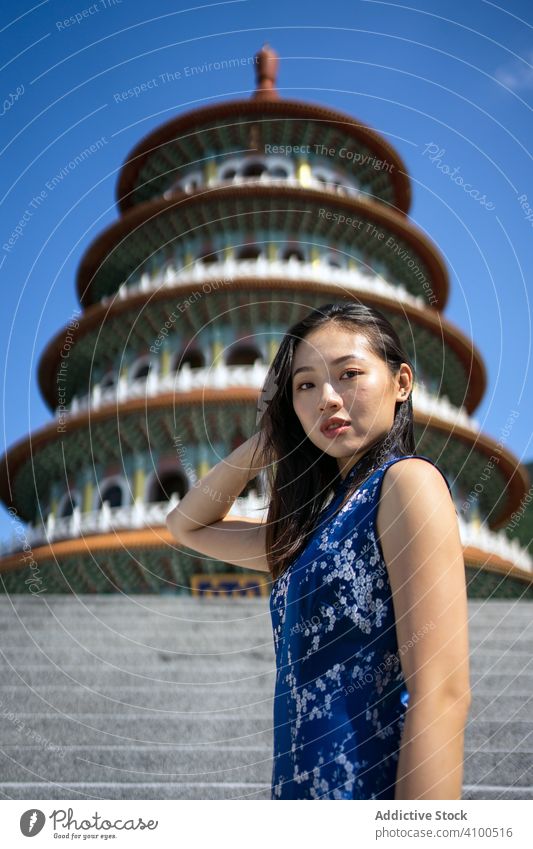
(334, 420)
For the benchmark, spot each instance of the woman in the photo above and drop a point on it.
(368, 601)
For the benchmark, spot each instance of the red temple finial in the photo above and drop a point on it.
(267, 62)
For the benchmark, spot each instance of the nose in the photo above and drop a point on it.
(330, 397)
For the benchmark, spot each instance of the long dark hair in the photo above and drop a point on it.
(300, 477)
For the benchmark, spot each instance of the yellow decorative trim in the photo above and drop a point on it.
(218, 351)
(315, 255)
(226, 585)
(88, 497)
(165, 362)
(203, 468)
(303, 173)
(139, 477)
(210, 170)
(272, 251)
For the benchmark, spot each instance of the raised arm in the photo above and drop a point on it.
(420, 540)
(199, 520)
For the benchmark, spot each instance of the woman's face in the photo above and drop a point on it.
(360, 390)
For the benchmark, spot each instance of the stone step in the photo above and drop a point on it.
(217, 763)
(147, 601)
(130, 607)
(146, 609)
(198, 791)
(184, 671)
(203, 701)
(124, 611)
(198, 611)
(195, 609)
(247, 659)
(170, 665)
(151, 600)
(205, 636)
(130, 623)
(79, 654)
(186, 698)
(162, 674)
(509, 735)
(135, 790)
(228, 675)
(486, 791)
(200, 700)
(54, 729)
(201, 730)
(482, 662)
(229, 641)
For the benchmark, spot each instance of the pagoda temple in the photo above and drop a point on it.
(235, 220)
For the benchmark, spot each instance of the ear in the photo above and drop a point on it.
(404, 382)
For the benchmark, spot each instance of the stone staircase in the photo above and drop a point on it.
(167, 697)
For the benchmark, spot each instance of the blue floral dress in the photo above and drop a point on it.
(340, 696)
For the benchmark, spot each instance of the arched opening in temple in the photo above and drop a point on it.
(113, 494)
(141, 370)
(108, 380)
(209, 257)
(165, 484)
(249, 252)
(190, 182)
(294, 254)
(254, 169)
(278, 171)
(228, 173)
(67, 504)
(243, 355)
(334, 260)
(194, 358)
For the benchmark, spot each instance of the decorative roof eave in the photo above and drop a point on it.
(492, 562)
(255, 108)
(146, 538)
(104, 244)
(94, 315)
(508, 465)
(160, 537)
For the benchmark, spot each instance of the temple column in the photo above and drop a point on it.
(303, 173)
(272, 251)
(87, 496)
(164, 361)
(314, 254)
(210, 172)
(217, 349)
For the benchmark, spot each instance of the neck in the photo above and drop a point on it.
(346, 466)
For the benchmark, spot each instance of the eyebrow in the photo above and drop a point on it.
(333, 362)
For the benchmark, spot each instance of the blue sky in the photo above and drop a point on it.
(453, 75)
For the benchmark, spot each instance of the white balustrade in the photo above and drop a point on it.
(352, 279)
(141, 515)
(222, 376)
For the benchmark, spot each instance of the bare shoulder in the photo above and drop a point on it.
(413, 477)
(414, 495)
(414, 491)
